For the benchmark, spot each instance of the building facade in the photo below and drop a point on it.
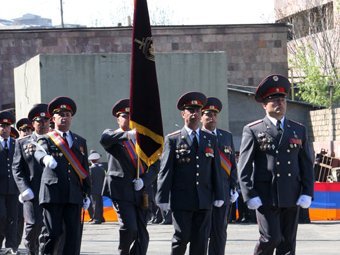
(253, 51)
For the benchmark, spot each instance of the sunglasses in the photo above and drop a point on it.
(25, 129)
(4, 125)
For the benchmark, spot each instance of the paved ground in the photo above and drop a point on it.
(316, 238)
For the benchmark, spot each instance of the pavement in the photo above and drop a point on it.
(316, 238)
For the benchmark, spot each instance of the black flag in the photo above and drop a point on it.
(145, 108)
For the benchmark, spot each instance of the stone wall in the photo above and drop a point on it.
(253, 51)
(322, 135)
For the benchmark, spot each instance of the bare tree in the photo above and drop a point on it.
(313, 50)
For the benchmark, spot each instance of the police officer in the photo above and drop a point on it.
(220, 215)
(24, 126)
(275, 169)
(97, 175)
(8, 188)
(27, 173)
(64, 182)
(190, 177)
(123, 186)
(14, 133)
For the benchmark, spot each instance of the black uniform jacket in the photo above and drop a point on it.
(27, 170)
(97, 176)
(226, 148)
(276, 170)
(118, 184)
(189, 180)
(62, 184)
(7, 183)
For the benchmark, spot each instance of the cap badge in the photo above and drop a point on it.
(275, 78)
(211, 107)
(42, 114)
(127, 109)
(277, 90)
(194, 102)
(5, 120)
(63, 106)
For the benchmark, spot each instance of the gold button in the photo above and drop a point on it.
(278, 175)
(288, 162)
(288, 150)
(278, 163)
(277, 151)
(197, 157)
(197, 183)
(289, 174)
(197, 174)
(197, 166)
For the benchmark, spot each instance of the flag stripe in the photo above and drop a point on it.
(72, 159)
(225, 162)
(133, 156)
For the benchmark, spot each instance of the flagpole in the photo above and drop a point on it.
(138, 166)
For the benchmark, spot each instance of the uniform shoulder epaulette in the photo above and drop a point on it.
(24, 137)
(224, 131)
(296, 122)
(254, 123)
(175, 133)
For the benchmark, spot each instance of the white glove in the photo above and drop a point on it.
(132, 134)
(233, 195)
(218, 203)
(254, 203)
(27, 195)
(164, 207)
(138, 183)
(20, 199)
(86, 203)
(304, 201)
(50, 162)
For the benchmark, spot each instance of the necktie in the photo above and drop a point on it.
(213, 132)
(194, 141)
(279, 130)
(65, 139)
(278, 126)
(6, 145)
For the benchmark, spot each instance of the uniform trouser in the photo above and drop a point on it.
(21, 223)
(218, 232)
(55, 218)
(278, 229)
(97, 207)
(193, 227)
(9, 220)
(133, 235)
(34, 222)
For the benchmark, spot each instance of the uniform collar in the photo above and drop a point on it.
(213, 132)
(61, 133)
(189, 131)
(273, 120)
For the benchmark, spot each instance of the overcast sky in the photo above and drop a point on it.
(174, 12)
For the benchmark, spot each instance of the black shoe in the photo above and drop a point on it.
(90, 220)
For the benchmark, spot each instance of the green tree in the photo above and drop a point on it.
(313, 50)
(314, 86)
